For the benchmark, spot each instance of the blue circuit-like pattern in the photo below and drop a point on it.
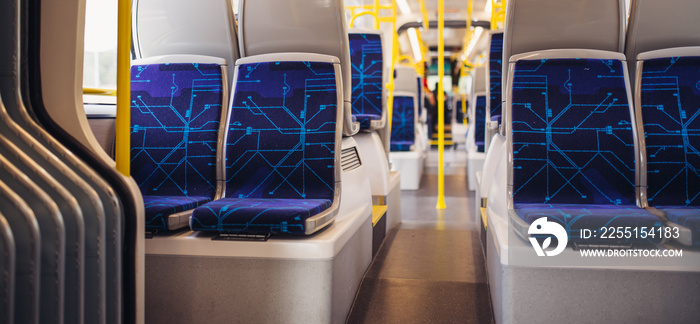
(420, 96)
(671, 115)
(403, 130)
(280, 149)
(573, 146)
(459, 113)
(175, 113)
(572, 133)
(367, 77)
(495, 71)
(480, 123)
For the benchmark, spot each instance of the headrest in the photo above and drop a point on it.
(658, 25)
(405, 79)
(534, 25)
(274, 26)
(479, 86)
(202, 27)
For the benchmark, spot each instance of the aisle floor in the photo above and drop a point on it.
(430, 268)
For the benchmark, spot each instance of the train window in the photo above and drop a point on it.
(100, 61)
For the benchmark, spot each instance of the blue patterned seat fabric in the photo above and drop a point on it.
(403, 132)
(480, 123)
(420, 97)
(367, 77)
(280, 150)
(264, 215)
(671, 117)
(573, 145)
(158, 208)
(459, 114)
(175, 113)
(495, 66)
(575, 217)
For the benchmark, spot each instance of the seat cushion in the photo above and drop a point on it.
(158, 208)
(688, 217)
(257, 216)
(366, 119)
(400, 146)
(575, 217)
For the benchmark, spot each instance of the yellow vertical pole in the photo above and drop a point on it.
(123, 121)
(441, 105)
(394, 55)
(464, 108)
(424, 13)
(376, 15)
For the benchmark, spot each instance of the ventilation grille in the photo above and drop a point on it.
(349, 159)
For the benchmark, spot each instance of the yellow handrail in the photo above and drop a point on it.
(123, 120)
(424, 13)
(441, 105)
(355, 16)
(100, 92)
(498, 14)
(410, 60)
(464, 108)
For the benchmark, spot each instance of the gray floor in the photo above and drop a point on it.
(431, 268)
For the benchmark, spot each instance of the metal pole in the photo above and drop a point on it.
(441, 106)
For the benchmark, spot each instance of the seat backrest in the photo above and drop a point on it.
(176, 114)
(459, 112)
(273, 26)
(533, 25)
(572, 135)
(479, 82)
(655, 25)
(493, 74)
(367, 58)
(403, 122)
(480, 122)
(421, 96)
(284, 127)
(668, 108)
(202, 27)
(478, 109)
(405, 79)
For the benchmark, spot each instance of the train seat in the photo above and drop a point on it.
(479, 126)
(574, 143)
(663, 64)
(408, 81)
(367, 59)
(407, 141)
(282, 148)
(495, 80)
(177, 106)
(403, 129)
(667, 104)
(459, 127)
(476, 132)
